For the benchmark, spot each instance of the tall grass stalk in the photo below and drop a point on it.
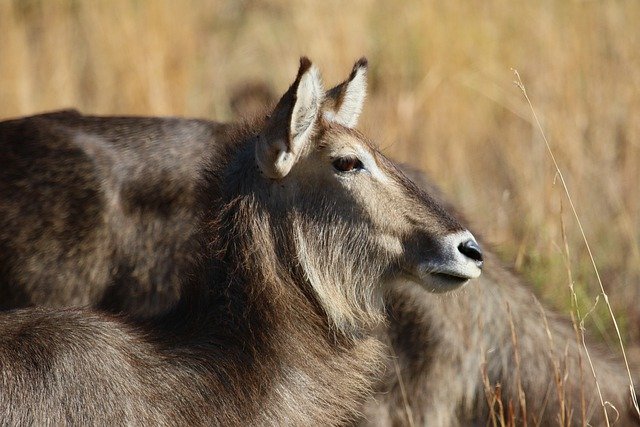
(520, 85)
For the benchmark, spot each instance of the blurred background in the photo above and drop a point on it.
(442, 98)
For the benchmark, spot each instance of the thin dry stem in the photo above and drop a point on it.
(403, 391)
(489, 393)
(498, 394)
(521, 395)
(556, 368)
(575, 312)
(586, 242)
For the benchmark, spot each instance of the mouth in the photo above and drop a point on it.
(445, 265)
(440, 281)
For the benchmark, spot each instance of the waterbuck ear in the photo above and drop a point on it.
(291, 125)
(343, 104)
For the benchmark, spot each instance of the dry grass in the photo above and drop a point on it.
(442, 98)
(567, 257)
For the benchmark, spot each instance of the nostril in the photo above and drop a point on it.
(471, 249)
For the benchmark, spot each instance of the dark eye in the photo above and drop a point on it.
(347, 164)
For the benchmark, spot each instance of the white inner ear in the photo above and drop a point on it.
(305, 111)
(351, 107)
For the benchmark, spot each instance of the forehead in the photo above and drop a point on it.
(338, 139)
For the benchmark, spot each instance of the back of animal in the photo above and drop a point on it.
(100, 211)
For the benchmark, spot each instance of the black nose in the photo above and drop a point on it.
(472, 250)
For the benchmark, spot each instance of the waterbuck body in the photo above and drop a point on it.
(103, 212)
(299, 224)
(455, 361)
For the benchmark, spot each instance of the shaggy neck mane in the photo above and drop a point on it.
(262, 337)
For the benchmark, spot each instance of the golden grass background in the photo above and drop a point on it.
(441, 97)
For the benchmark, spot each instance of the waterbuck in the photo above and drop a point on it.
(275, 322)
(453, 359)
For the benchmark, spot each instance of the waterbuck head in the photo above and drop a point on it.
(348, 220)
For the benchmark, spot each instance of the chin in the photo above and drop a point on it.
(441, 282)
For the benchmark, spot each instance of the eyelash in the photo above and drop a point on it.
(347, 164)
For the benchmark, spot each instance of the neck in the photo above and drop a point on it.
(259, 331)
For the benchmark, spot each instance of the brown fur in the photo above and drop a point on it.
(233, 326)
